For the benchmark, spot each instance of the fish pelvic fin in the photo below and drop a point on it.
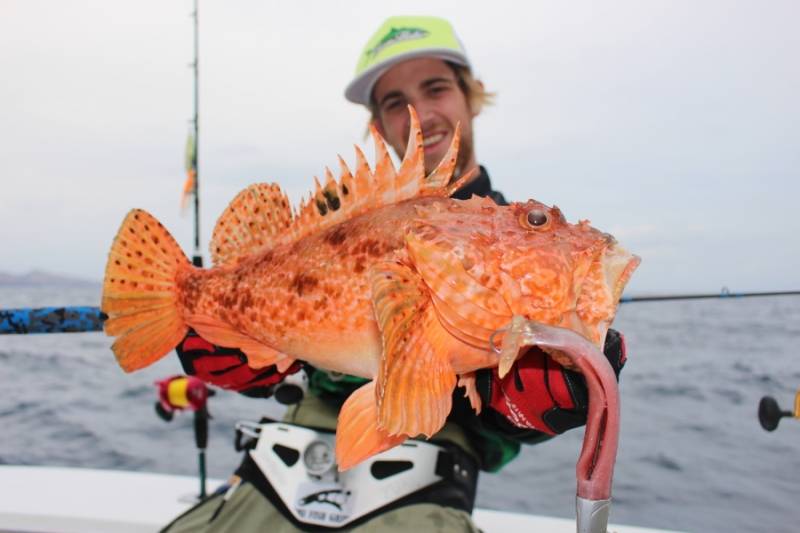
(415, 379)
(253, 221)
(358, 436)
(140, 293)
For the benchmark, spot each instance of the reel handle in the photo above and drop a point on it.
(770, 413)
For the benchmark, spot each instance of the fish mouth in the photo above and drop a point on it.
(601, 290)
(598, 295)
(619, 267)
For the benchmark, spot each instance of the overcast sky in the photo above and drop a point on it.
(673, 125)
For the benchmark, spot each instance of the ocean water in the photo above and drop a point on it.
(692, 455)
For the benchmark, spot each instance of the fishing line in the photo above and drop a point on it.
(725, 293)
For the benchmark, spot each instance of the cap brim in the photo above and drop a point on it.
(359, 90)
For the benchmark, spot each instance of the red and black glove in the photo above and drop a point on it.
(539, 394)
(227, 367)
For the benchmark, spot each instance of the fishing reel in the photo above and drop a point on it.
(770, 413)
(292, 389)
(178, 393)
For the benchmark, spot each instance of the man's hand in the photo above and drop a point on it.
(540, 394)
(227, 367)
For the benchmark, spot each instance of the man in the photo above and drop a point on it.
(419, 61)
(414, 61)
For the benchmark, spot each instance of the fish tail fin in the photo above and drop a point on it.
(357, 433)
(140, 292)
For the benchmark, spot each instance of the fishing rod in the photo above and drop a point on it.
(197, 258)
(69, 319)
(725, 293)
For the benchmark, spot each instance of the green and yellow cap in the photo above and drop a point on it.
(399, 39)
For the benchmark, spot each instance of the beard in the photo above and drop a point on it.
(464, 155)
(465, 151)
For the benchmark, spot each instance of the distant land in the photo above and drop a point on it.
(37, 278)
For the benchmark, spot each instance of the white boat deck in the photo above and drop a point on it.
(67, 500)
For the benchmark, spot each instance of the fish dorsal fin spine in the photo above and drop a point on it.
(383, 180)
(260, 217)
(365, 189)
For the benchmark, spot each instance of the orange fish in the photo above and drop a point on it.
(380, 275)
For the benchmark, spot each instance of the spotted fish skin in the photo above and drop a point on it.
(311, 298)
(379, 274)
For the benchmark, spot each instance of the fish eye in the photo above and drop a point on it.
(536, 219)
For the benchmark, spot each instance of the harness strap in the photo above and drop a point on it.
(456, 489)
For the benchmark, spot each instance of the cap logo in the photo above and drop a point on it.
(397, 35)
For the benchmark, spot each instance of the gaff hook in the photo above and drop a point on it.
(595, 466)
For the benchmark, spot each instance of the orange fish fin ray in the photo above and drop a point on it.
(349, 197)
(220, 333)
(335, 198)
(471, 390)
(385, 176)
(365, 190)
(363, 175)
(254, 220)
(284, 364)
(357, 433)
(146, 344)
(467, 301)
(140, 291)
(260, 355)
(408, 182)
(415, 379)
(460, 327)
(347, 183)
(318, 212)
(462, 181)
(436, 182)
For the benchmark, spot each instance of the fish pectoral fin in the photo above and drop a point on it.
(221, 333)
(415, 378)
(357, 434)
(471, 390)
(460, 299)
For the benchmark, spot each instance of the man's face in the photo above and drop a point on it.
(429, 85)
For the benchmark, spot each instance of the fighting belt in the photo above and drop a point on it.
(294, 467)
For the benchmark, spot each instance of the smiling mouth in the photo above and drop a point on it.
(433, 140)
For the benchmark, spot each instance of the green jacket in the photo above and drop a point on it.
(488, 438)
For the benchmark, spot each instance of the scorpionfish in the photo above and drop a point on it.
(379, 274)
